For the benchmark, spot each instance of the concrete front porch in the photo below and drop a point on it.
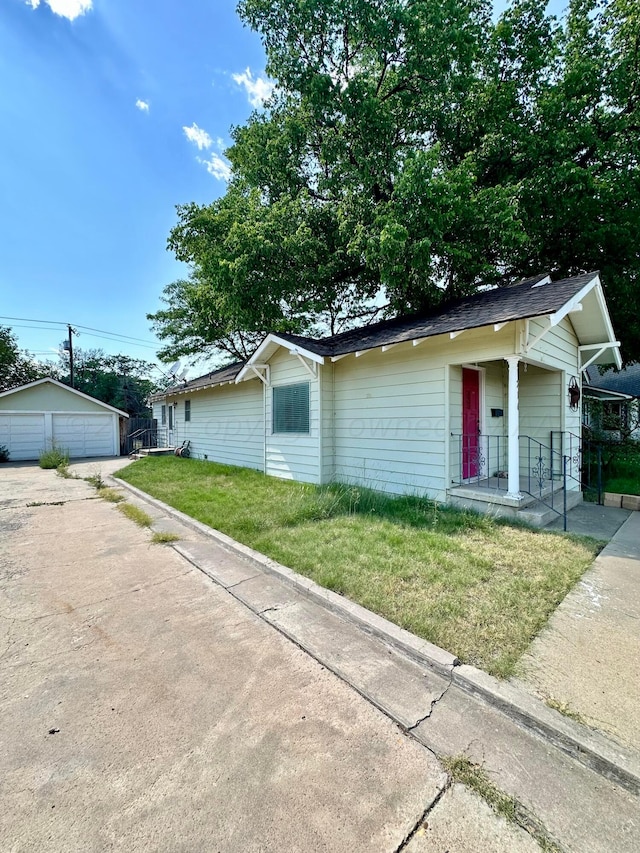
(491, 496)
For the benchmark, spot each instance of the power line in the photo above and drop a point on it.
(91, 335)
(77, 326)
(116, 341)
(38, 327)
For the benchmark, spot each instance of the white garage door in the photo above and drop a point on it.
(23, 435)
(84, 435)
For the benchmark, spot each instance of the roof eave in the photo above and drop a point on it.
(247, 371)
(66, 388)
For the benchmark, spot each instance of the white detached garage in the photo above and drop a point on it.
(46, 413)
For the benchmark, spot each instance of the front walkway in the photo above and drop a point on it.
(587, 658)
(144, 708)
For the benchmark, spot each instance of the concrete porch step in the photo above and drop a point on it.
(539, 514)
(156, 451)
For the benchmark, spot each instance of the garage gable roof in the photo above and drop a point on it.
(51, 381)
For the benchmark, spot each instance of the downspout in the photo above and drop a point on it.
(264, 427)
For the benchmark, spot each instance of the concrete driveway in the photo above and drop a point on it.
(145, 709)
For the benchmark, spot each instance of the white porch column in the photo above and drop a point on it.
(513, 464)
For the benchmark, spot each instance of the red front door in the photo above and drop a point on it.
(470, 422)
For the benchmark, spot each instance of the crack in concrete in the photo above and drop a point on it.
(420, 822)
(523, 818)
(244, 580)
(36, 661)
(13, 619)
(434, 702)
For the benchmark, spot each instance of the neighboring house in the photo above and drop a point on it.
(46, 413)
(612, 401)
(465, 405)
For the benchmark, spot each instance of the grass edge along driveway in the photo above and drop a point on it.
(478, 587)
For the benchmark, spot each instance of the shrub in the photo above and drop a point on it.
(96, 480)
(54, 458)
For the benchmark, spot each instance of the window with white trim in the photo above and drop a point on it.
(163, 415)
(291, 408)
(187, 410)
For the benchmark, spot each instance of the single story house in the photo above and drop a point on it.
(45, 413)
(474, 404)
(612, 401)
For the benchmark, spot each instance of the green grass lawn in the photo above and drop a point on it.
(625, 478)
(477, 587)
(623, 472)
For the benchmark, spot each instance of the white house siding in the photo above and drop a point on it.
(156, 411)
(558, 349)
(541, 402)
(544, 398)
(293, 456)
(389, 421)
(327, 439)
(227, 424)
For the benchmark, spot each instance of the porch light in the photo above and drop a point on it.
(574, 394)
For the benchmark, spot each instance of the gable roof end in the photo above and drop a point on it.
(68, 388)
(294, 344)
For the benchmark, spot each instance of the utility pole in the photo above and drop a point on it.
(71, 331)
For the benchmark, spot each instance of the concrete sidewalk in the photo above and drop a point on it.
(588, 657)
(579, 809)
(145, 708)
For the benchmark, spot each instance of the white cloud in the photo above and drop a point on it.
(143, 106)
(258, 89)
(217, 167)
(198, 136)
(70, 9)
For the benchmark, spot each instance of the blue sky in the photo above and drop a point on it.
(94, 155)
(113, 112)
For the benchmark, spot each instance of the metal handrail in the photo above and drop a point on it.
(546, 466)
(146, 437)
(486, 455)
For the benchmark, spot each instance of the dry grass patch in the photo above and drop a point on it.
(163, 537)
(477, 587)
(473, 776)
(111, 495)
(139, 516)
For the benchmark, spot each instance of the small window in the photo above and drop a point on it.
(291, 408)
(170, 417)
(187, 410)
(163, 415)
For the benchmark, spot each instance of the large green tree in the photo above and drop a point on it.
(413, 151)
(17, 367)
(118, 380)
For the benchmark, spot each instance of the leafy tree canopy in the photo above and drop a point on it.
(17, 367)
(118, 380)
(413, 151)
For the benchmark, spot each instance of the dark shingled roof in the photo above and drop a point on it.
(215, 377)
(514, 302)
(625, 381)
